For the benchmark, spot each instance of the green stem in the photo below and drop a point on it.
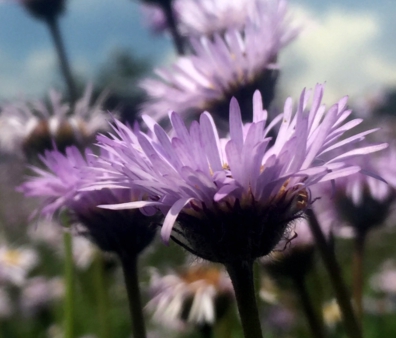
(101, 296)
(351, 325)
(315, 322)
(53, 26)
(358, 255)
(129, 266)
(241, 274)
(69, 285)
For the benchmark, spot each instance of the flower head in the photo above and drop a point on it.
(233, 64)
(16, 263)
(234, 198)
(61, 187)
(199, 295)
(363, 200)
(33, 128)
(196, 18)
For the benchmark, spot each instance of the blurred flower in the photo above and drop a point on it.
(196, 18)
(34, 128)
(122, 232)
(367, 105)
(38, 294)
(331, 313)
(363, 200)
(234, 199)
(279, 319)
(16, 263)
(199, 295)
(154, 16)
(83, 252)
(269, 292)
(221, 67)
(385, 280)
(45, 231)
(6, 307)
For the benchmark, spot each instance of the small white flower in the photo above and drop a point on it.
(15, 263)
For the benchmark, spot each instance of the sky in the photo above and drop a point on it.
(348, 44)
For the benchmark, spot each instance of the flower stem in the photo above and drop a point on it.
(360, 241)
(101, 296)
(53, 26)
(241, 274)
(69, 286)
(315, 322)
(129, 266)
(172, 24)
(351, 325)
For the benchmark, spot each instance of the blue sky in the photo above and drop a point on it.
(349, 44)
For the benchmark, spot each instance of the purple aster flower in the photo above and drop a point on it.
(234, 198)
(363, 200)
(208, 17)
(235, 63)
(126, 232)
(31, 128)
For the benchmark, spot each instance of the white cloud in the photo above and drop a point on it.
(339, 48)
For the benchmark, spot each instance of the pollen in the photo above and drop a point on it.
(302, 199)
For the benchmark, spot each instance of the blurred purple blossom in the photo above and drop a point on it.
(61, 187)
(234, 64)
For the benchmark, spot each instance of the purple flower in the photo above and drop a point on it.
(61, 187)
(233, 64)
(363, 200)
(234, 198)
(196, 18)
(208, 17)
